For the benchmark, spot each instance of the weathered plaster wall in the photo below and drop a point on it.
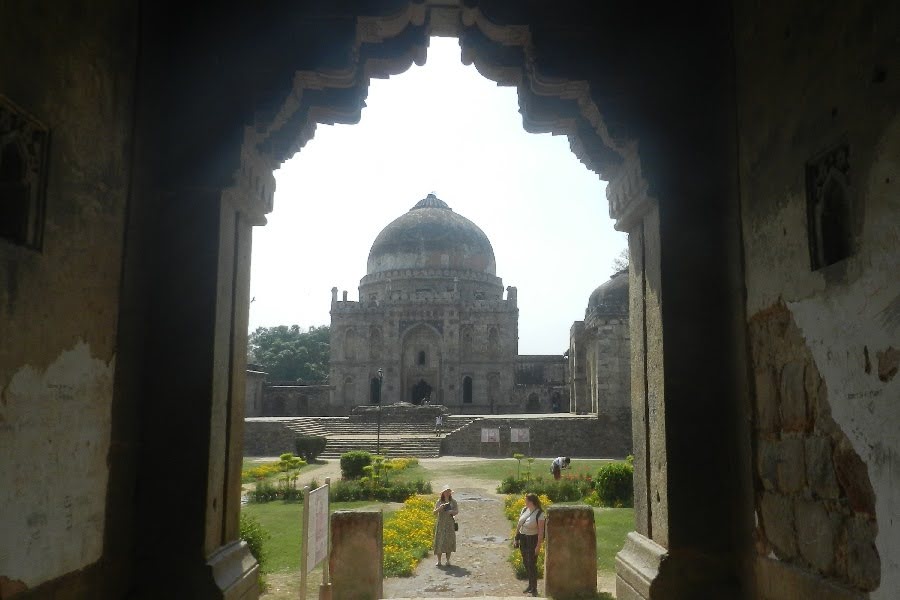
(840, 322)
(59, 305)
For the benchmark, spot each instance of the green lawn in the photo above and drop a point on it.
(497, 468)
(283, 520)
(613, 525)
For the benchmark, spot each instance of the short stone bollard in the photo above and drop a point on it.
(570, 563)
(356, 555)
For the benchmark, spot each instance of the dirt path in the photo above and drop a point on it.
(479, 567)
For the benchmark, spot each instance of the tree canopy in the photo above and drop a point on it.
(288, 354)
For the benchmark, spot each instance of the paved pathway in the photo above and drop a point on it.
(479, 567)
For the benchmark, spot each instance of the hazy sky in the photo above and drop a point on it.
(442, 128)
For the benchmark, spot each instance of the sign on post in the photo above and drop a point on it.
(519, 435)
(317, 538)
(490, 435)
(315, 535)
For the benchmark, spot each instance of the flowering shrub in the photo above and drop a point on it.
(512, 507)
(399, 464)
(407, 536)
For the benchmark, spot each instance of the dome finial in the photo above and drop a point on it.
(431, 201)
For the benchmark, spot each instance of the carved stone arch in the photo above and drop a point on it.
(351, 346)
(383, 45)
(376, 342)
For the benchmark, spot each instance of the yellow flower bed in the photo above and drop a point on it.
(512, 507)
(407, 536)
(399, 464)
(260, 472)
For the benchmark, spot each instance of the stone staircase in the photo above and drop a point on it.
(397, 438)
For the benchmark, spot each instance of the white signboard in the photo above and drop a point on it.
(519, 435)
(317, 530)
(490, 435)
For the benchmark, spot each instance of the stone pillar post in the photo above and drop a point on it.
(686, 340)
(570, 565)
(356, 555)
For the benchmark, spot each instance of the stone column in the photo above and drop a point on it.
(570, 563)
(356, 555)
(686, 353)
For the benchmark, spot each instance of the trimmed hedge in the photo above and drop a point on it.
(352, 491)
(353, 464)
(309, 447)
(615, 485)
(569, 489)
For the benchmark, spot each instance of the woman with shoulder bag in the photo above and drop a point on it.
(445, 526)
(529, 537)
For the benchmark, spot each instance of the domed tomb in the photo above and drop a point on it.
(609, 299)
(431, 236)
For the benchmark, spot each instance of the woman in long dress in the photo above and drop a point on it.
(444, 531)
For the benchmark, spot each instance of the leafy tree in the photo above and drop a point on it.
(620, 262)
(288, 354)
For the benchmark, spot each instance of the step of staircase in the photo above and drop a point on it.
(397, 439)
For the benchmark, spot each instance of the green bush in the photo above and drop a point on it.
(356, 490)
(267, 492)
(567, 489)
(353, 464)
(309, 447)
(511, 485)
(615, 485)
(255, 536)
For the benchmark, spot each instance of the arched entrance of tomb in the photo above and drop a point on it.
(647, 125)
(421, 392)
(421, 360)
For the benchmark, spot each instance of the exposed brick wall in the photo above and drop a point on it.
(814, 501)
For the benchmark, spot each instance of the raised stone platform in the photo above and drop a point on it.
(406, 432)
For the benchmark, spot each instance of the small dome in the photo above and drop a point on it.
(432, 236)
(610, 299)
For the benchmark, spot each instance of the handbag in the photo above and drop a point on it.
(455, 525)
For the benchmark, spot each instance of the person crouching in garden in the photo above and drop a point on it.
(529, 537)
(445, 526)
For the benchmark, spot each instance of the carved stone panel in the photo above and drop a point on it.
(829, 210)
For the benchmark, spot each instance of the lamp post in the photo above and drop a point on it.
(378, 430)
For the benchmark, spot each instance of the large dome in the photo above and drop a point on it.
(610, 299)
(431, 236)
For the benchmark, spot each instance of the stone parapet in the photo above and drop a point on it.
(268, 437)
(575, 436)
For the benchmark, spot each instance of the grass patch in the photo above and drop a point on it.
(613, 525)
(282, 521)
(495, 469)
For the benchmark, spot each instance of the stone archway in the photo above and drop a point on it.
(421, 392)
(587, 76)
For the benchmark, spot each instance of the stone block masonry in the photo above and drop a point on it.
(815, 503)
(569, 435)
(570, 569)
(356, 555)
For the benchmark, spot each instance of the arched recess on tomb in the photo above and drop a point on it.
(421, 352)
(650, 123)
